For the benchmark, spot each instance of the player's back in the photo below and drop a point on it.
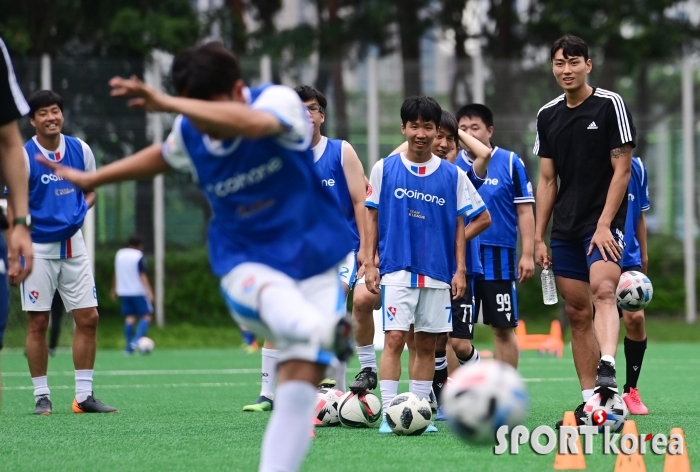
(128, 264)
(268, 203)
(637, 202)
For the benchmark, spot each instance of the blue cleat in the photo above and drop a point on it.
(440, 416)
(384, 428)
(431, 428)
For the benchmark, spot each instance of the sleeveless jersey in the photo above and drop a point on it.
(268, 203)
(328, 156)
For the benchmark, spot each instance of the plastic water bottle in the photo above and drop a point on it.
(549, 287)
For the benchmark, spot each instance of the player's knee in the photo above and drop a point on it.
(394, 341)
(86, 319)
(580, 316)
(441, 342)
(604, 293)
(634, 321)
(504, 334)
(425, 344)
(38, 324)
(461, 347)
(363, 305)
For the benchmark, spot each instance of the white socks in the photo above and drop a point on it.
(83, 384)
(338, 374)
(367, 356)
(421, 388)
(41, 386)
(608, 358)
(587, 394)
(389, 388)
(269, 373)
(288, 434)
(473, 358)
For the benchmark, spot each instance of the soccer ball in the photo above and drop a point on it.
(408, 415)
(327, 406)
(614, 407)
(480, 398)
(359, 410)
(634, 291)
(145, 345)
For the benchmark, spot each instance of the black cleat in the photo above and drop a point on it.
(92, 405)
(579, 414)
(43, 406)
(343, 342)
(365, 380)
(605, 382)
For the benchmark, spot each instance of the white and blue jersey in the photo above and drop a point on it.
(507, 186)
(473, 259)
(637, 202)
(268, 203)
(418, 205)
(328, 156)
(57, 207)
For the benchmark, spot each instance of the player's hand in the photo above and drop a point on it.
(459, 285)
(605, 242)
(526, 268)
(372, 279)
(360, 264)
(146, 97)
(80, 179)
(20, 255)
(542, 258)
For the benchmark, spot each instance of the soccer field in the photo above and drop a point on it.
(181, 410)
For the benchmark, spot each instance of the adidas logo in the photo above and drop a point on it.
(592, 125)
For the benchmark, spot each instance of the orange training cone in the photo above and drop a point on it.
(678, 462)
(568, 460)
(633, 462)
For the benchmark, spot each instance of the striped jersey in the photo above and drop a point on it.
(637, 202)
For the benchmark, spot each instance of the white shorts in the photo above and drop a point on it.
(241, 289)
(71, 277)
(348, 269)
(428, 309)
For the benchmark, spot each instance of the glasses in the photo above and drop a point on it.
(314, 109)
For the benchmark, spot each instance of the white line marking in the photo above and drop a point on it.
(147, 372)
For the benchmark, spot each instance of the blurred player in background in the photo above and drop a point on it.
(340, 171)
(584, 139)
(13, 166)
(635, 257)
(130, 283)
(507, 192)
(415, 207)
(58, 210)
(271, 240)
(56, 316)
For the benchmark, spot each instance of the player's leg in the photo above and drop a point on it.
(55, 326)
(398, 307)
(500, 308)
(364, 304)
(268, 376)
(440, 375)
(604, 277)
(278, 308)
(635, 346)
(143, 310)
(129, 329)
(464, 313)
(76, 285)
(37, 293)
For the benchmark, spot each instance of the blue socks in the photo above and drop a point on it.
(142, 328)
(129, 335)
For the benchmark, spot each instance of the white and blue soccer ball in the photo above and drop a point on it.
(408, 415)
(615, 410)
(327, 406)
(145, 345)
(359, 410)
(482, 397)
(634, 291)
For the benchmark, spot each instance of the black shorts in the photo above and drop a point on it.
(463, 314)
(499, 302)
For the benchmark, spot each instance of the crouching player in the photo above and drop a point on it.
(269, 240)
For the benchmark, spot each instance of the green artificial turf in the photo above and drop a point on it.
(181, 410)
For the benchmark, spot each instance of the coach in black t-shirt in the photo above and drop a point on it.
(585, 138)
(14, 171)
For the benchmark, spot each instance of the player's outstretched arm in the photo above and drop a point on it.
(226, 118)
(481, 152)
(144, 164)
(621, 160)
(544, 203)
(355, 177)
(403, 147)
(477, 225)
(459, 280)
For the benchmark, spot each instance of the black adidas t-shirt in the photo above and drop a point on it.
(12, 103)
(579, 140)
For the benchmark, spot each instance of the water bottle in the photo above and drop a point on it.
(549, 287)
